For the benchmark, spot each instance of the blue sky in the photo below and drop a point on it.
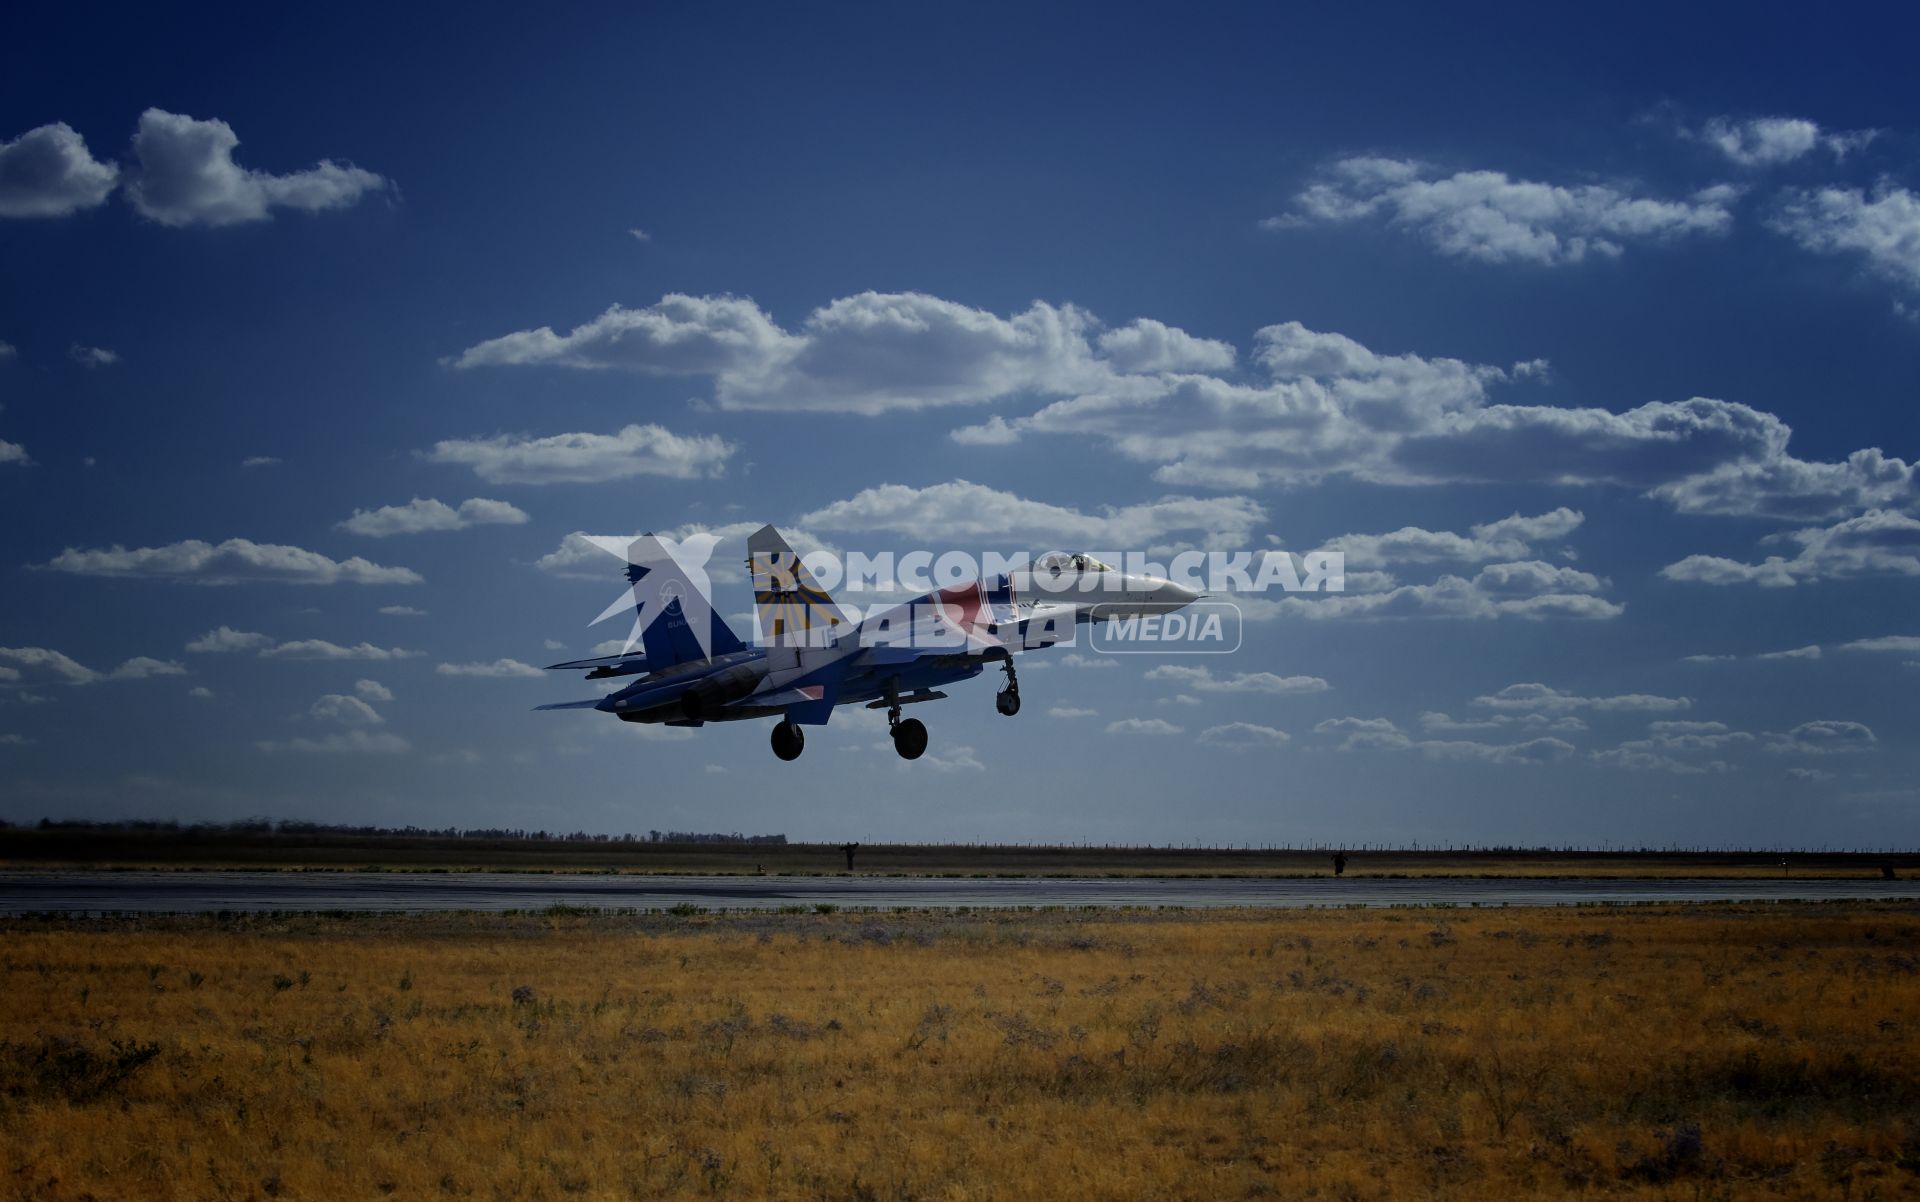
(1614, 331)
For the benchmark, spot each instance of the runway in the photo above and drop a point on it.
(422, 892)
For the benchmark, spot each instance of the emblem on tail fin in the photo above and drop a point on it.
(671, 599)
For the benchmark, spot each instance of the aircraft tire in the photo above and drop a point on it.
(910, 739)
(788, 741)
(1007, 702)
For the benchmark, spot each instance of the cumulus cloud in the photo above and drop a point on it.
(1381, 734)
(372, 690)
(261, 461)
(1771, 141)
(26, 665)
(1824, 737)
(1879, 542)
(344, 710)
(960, 509)
(13, 452)
(1510, 538)
(1244, 736)
(1330, 407)
(402, 611)
(1546, 699)
(322, 649)
(347, 742)
(92, 356)
(226, 638)
(1202, 680)
(868, 353)
(1144, 726)
(235, 561)
(1493, 218)
(48, 172)
(635, 450)
(1902, 644)
(1811, 651)
(1530, 590)
(1435, 722)
(499, 668)
(418, 516)
(1072, 711)
(1882, 227)
(186, 175)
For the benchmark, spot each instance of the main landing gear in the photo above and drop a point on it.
(1007, 700)
(788, 741)
(910, 734)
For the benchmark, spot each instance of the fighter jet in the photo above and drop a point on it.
(810, 657)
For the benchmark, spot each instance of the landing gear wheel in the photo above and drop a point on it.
(910, 739)
(1007, 700)
(788, 741)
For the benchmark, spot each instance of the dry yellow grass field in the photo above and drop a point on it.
(1755, 1052)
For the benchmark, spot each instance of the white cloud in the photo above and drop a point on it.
(47, 665)
(48, 172)
(13, 740)
(1811, 651)
(861, 354)
(1202, 680)
(1771, 141)
(92, 356)
(346, 742)
(1824, 737)
(1510, 538)
(1365, 734)
(372, 690)
(1879, 542)
(1144, 726)
(200, 693)
(7, 351)
(1331, 407)
(1903, 644)
(261, 461)
(1883, 228)
(344, 710)
(1073, 659)
(498, 668)
(1543, 698)
(636, 450)
(959, 509)
(1490, 217)
(955, 759)
(226, 638)
(322, 649)
(418, 516)
(1244, 736)
(402, 611)
(13, 452)
(1380, 734)
(639, 235)
(140, 667)
(1532, 590)
(1146, 345)
(1071, 711)
(186, 176)
(1438, 723)
(235, 561)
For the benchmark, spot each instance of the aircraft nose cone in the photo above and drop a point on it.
(1177, 594)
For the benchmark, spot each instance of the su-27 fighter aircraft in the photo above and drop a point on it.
(813, 658)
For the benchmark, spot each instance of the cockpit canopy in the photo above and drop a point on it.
(1060, 563)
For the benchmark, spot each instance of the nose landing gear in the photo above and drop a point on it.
(1007, 700)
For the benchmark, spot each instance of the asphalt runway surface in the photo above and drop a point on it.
(420, 892)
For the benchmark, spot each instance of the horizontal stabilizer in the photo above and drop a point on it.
(636, 660)
(590, 703)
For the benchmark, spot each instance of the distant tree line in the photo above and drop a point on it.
(290, 826)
